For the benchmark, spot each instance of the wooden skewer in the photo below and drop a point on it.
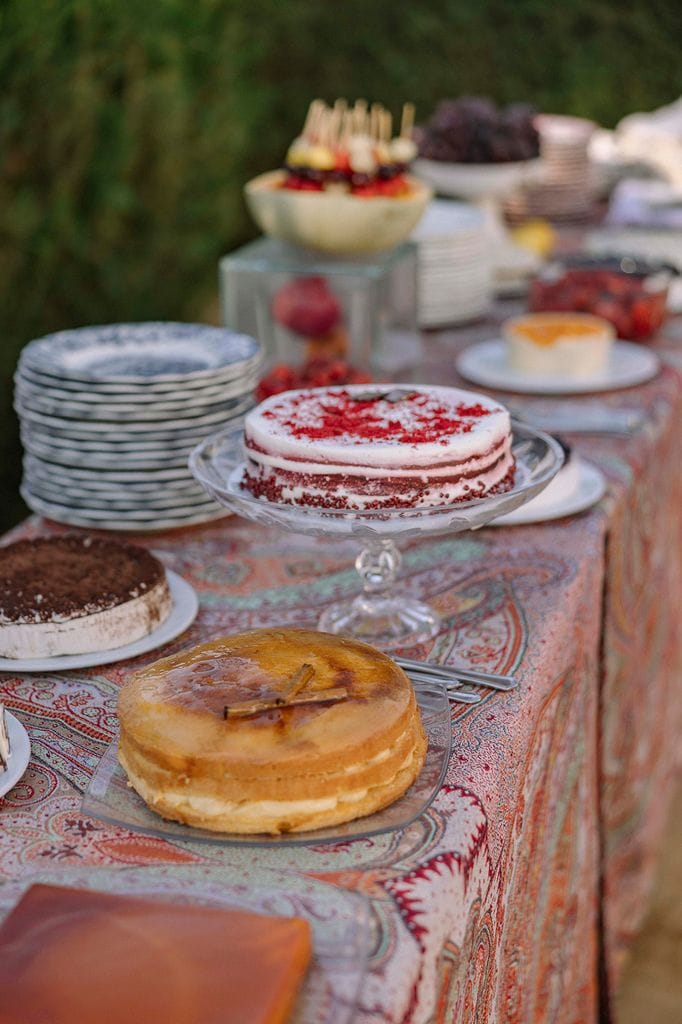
(407, 123)
(246, 708)
(360, 116)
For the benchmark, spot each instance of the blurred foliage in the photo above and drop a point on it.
(127, 130)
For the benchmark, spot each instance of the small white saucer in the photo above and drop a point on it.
(486, 364)
(554, 503)
(20, 751)
(183, 614)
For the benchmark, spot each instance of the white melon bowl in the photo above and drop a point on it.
(335, 222)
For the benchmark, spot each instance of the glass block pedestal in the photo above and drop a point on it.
(303, 305)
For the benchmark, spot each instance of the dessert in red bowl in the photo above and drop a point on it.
(630, 293)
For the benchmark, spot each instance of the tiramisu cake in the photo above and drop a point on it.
(271, 731)
(77, 595)
(378, 447)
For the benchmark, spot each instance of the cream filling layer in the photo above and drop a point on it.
(264, 813)
(99, 631)
(443, 467)
(432, 494)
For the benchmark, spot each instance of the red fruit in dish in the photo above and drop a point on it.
(280, 378)
(368, 190)
(642, 319)
(302, 184)
(316, 373)
(307, 306)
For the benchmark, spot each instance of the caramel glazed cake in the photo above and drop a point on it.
(77, 595)
(271, 731)
(369, 448)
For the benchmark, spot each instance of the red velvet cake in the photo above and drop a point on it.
(388, 446)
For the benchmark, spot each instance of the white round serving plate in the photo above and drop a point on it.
(475, 181)
(486, 364)
(182, 615)
(590, 488)
(20, 752)
(444, 218)
(138, 353)
(116, 472)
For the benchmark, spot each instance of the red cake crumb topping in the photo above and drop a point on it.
(373, 418)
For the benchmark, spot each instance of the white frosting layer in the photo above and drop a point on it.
(266, 426)
(434, 447)
(99, 631)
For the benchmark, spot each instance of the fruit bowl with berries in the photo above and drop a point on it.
(630, 293)
(345, 187)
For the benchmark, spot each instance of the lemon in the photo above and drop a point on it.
(536, 235)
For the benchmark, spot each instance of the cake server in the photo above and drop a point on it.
(454, 675)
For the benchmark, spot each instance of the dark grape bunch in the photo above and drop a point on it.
(474, 130)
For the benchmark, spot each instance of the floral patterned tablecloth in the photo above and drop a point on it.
(528, 874)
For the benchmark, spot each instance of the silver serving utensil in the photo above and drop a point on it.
(457, 696)
(574, 418)
(453, 675)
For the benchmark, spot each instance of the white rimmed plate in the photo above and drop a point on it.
(590, 488)
(182, 615)
(486, 364)
(20, 752)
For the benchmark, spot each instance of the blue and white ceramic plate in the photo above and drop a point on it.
(130, 521)
(143, 353)
(158, 429)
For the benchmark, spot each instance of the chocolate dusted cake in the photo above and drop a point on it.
(378, 447)
(76, 595)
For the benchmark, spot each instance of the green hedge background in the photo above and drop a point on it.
(128, 129)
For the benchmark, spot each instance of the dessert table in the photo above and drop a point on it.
(514, 896)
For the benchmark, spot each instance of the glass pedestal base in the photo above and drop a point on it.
(384, 622)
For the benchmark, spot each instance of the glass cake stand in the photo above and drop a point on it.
(381, 615)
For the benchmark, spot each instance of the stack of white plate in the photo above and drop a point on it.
(454, 263)
(568, 185)
(110, 414)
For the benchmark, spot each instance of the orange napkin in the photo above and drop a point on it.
(71, 956)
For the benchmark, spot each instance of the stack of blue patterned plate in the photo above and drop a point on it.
(110, 414)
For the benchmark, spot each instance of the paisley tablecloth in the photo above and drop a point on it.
(512, 898)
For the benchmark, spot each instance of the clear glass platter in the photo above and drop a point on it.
(110, 798)
(340, 920)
